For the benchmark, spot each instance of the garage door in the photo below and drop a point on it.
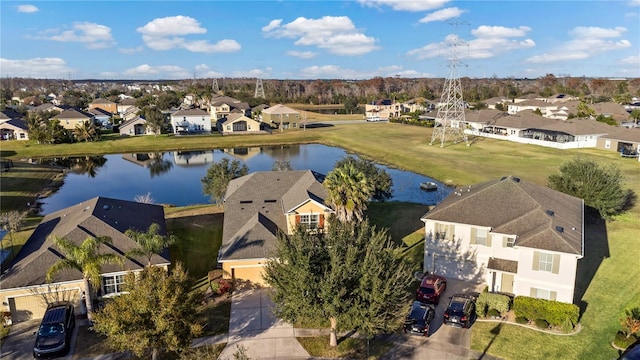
(34, 306)
(456, 268)
(251, 273)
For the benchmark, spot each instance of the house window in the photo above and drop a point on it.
(228, 127)
(295, 125)
(310, 221)
(249, 127)
(112, 284)
(22, 135)
(510, 242)
(607, 144)
(546, 262)
(481, 237)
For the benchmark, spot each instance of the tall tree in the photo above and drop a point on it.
(154, 117)
(85, 131)
(150, 242)
(158, 312)
(348, 276)
(85, 258)
(349, 191)
(11, 221)
(600, 186)
(215, 182)
(378, 177)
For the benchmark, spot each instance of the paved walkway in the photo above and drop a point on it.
(253, 326)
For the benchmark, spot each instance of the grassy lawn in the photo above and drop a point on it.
(24, 181)
(350, 348)
(611, 283)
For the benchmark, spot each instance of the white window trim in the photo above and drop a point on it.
(115, 284)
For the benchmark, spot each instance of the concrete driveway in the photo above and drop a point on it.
(19, 343)
(253, 326)
(445, 342)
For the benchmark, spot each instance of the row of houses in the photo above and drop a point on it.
(512, 235)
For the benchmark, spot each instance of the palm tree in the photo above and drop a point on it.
(150, 242)
(86, 259)
(349, 191)
(85, 131)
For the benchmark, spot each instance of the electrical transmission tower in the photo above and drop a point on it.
(214, 86)
(450, 114)
(259, 89)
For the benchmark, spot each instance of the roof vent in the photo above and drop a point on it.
(270, 201)
(560, 229)
(516, 179)
(246, 201)
(106, 207)
(550, 212)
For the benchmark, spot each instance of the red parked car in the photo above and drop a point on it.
(431, 287)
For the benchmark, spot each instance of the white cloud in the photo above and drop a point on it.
(338, 72)
(489, 42)
(157, 72)
(253, 73)
(204, 71)
(442, 15)
(586, 43)
(92, 35)
(302, 54)
(406, 5)
(634, 2)
(172, 26)
(129, 51)
(168, 33)
(28, 9)
(335, 34)
(50, 68)
(631, 60)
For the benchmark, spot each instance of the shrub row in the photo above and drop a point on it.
(488, 301)
(554, 312)
(424, 123)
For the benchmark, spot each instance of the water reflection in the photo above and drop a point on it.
(174, 177)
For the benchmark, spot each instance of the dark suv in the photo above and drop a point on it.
(461, 311)
(54, 334)
(431, 287)
(418, 321)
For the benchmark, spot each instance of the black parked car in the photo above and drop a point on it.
(461, 311)
(54, 334)
(419, 318)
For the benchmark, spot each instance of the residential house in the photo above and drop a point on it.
(492, 102)
(25, 291)
(261, 205)
(51, 107)
(104, 104)
(221, 106)
(71, 118)
(611, 110)
(515, 236)
(281, 116)
(125, 104)
(131, 113)
(13, 129)
(136, 126)
(101, 117)
(191, 121)
(381, 109)
(622, 140)
(238, 124)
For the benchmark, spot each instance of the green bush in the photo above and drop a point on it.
(622, 341)
(542, 323)
(521, 320)
(493, 313)
(567, 326)
(487, 301)
(554, 312)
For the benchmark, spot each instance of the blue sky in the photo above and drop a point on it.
(355, 39)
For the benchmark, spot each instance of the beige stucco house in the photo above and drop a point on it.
(25, 292)
(237, 123)
(261, 205)
(13, 129)
(136, 126)
(104, 104)
(281, 116)
(71, 118)
(510, 234)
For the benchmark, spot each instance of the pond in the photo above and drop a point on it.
(173, 177)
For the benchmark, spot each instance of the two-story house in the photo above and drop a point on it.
(71, 118)
(510, 234)
(191, 121)
(221, 106)
(281, 116)
(261, 205)
(104, 104)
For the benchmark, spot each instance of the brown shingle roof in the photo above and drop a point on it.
(540, 217)
(99, 216)
(255, 207)
(503, 265)
(73, 114)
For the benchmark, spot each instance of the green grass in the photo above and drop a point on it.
(350, 348)
(24, 181)
(615, 285)
(215, 314)
(199, 233)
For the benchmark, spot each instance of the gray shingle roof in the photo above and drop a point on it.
(540, 217)
(503, 265)
(99, 216)
(190, 112)
(73, 114)
(255, 207)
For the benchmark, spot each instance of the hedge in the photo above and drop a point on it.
(554, 312)
(487, 301)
